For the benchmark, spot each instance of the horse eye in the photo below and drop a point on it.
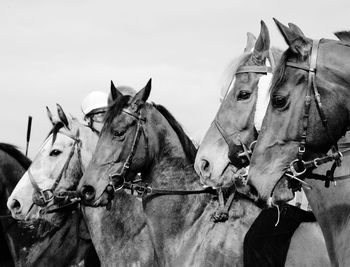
(119, 134)
(55, 153)
(243, 95)
(279, 101)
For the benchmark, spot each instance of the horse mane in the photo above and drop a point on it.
(16, 154)
(187, 145)
(117, 106)
(343, 36)
(55, 128)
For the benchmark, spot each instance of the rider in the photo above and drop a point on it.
(95, 105)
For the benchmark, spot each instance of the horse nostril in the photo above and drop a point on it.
(87, 192)
(205, 168)
(15, 206)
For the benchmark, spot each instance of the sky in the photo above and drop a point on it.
(59, 51)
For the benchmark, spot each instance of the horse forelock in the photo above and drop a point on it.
(278, 74)
(230, 72)
(114, 110)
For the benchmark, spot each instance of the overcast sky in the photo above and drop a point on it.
(58, 51)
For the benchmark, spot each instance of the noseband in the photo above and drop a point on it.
(243, 158)
(298, 167)
(42, 197)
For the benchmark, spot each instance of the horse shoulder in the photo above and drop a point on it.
(307, 247)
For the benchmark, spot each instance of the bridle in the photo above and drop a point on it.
(118, 181)
(299, 167)
(42, 197)
(241, 159)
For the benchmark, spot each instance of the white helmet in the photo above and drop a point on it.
(94, 101)
(98, 101)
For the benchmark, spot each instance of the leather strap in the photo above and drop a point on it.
(254, 69)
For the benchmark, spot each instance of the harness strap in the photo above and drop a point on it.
(254, 69)
(43, 196)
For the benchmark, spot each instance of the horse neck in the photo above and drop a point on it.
(121, 234)
(12, 171)
(170, 217)
(331, 207)
(65, 240)
(332, 211)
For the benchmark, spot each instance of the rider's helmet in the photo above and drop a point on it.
(95, 105)
(94, 102)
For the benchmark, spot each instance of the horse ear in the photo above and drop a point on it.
(115, 94)
(262, 45)
(251, 39)
(62, 116)
(49, 114)
(143, 94)
(343, 36)
(296, 29)
(296, 42)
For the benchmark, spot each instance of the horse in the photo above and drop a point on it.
(307, 115)
(238, 120)
(36, 244)
(142, 137)
(62, 159)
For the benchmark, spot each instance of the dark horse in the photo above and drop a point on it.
(308, 113)
(143, 137)
(37, 244)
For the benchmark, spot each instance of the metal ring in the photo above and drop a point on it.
(293, 170)
(252, 146)
(111, 182)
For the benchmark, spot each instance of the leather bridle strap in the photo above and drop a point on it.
(336, 156)
(42, 197)
(232, 147)
(131, 155)
(146, 190)
(254, 69)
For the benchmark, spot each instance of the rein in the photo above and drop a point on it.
(299, 167)
(42, 197)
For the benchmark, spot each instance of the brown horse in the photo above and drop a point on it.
(308, 113)
(39, 244)
(67, 151)
(142, 137)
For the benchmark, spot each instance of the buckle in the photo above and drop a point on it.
(48, 198)
(301, 149)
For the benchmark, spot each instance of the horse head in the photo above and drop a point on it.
(308, 111)
(136, 134)
(226, 148)
(56, 168)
